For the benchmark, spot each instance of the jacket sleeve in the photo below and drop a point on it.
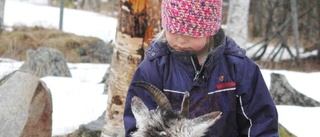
(256, 111)
(148, 71)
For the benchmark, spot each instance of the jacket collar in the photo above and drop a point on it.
(228, 47)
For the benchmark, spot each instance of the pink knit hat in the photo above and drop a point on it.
(195, 18)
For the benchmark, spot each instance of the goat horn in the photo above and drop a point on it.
(159, 96)
(185, 104)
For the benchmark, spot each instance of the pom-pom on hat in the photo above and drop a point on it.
(195, 18)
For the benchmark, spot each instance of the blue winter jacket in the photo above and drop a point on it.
(229, 82)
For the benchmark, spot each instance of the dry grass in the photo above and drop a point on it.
(14, 44)
(310, 64)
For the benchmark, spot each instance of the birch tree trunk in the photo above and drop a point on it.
(2, 2)
(237, 21)
(138, 21)
(294, 16)
(318, 45)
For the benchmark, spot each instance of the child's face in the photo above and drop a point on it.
(185, 43)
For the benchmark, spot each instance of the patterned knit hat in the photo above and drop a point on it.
(195, 18)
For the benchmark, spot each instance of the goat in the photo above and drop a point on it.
(164, 121)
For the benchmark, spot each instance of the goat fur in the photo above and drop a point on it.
(165, 122)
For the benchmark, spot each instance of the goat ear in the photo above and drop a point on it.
(202, 123)
(139, 109)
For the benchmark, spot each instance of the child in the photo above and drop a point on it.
(194, 55)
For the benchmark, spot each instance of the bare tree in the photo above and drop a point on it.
(286, 24)
(93, 5)
(294, 15)
(138, 21)
(2, 2)
(237, 21)
(318, 43)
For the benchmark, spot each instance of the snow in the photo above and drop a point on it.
(74, 21)
(79, 99)
(74, 102)
(301, 121)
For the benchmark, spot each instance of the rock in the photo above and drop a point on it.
(6, 77)
(46, 62)
(284, 94)
(99, 52)
(92, 129)
(25, 107)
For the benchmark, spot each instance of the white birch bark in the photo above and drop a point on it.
(2, 2)
(127, 55)
(237, 21)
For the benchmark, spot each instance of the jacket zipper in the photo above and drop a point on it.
(197, 72)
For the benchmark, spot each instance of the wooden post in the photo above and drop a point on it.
(138, 21)
(61, 15)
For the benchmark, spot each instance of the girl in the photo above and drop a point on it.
(193, 54)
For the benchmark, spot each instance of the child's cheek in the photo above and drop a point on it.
(197, 46)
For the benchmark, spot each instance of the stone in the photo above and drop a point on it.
(284, 94)
(25, 107)
(92, 129)
(46, 62)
